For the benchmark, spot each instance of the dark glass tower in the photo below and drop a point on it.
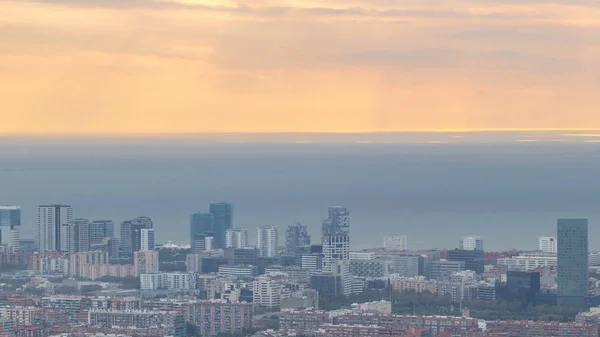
(572, 268)
(222, 213)
(201, 224)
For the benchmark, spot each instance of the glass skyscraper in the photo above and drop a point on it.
(10, 225)
(222, 213)
(572, 268)
(201, 224)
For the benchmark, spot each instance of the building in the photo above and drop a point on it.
(53, 222)
(78, 261)
(269, 291)
(202, 243)
(140, 319)
(312, 261)
(146, 262)
(214, 317)
(473, 258)
(241, 256)
(540, 328)
(7, 327)
(222, 213)
(572, 279)
(131, 234)
(193, 263)
(79, 236)
(336, 238)
(125, 239)
(328, 285)
(28, 315)
(147, 239)
(170, 281)
(303, 320)
(443, 268)
(523, 285)
(296, 236)
(397, 242)
(413, 284)
(100, 230)
(201, 224)
(379, 267)
(10, 227)
(410, 265)
(72, 305)
(236, 238)
(471, 242)
(529, 261)
(239, 270)
(547, 244)
(97, 271)
(267, 241)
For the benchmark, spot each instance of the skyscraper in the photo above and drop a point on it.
(267, 241)
(100, 229)
(222, 213)
(10, 227)
(201, 224)
(572, 268)
(79, 236)
(147, 239)
(131, 234)
(236, 238)
(125, 239)
(296, 236)
(53, 224)
(547, 244)
(336, 237)
(471, 242)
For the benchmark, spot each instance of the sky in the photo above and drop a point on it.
(181, 66)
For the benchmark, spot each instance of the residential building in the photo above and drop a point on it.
(53, 222)
(146, 262)
(471, 242)
(547, 244)
(214, 317)
(79, 236)
(541, 328)
(380, 267)
(222, 213)
(147, 239)
(7, 327)
(236, 238)
(97, 271)
(396, 242)
(268, 291)
(140, 319)
(312, 261)
(70, 304)
(416, 284)
(267, 241)
(10, 227)
(22, 315)
(572, 279)
(171, 281)
(131, 234)
(410, 265)
(193, 263)
(78, 261)
(529, 261)
(296, 236)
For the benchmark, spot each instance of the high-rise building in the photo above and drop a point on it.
(572, 268)
(202, 243)
(147, 239)
(471, 242)
(222, 213)
(474, 259)
(145, 262)
(547, 244)
(201, 224)
(79, 236)
(53, 224)
(100, 229)
(10, 227)
(267, 241)
(336, 237)
(131, 234)
(125, 239)
(236, 238)
(397, 242)
(296, 236)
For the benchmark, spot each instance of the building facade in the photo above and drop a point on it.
(53, 224)
(146, 262)
(10, 227)
(267, 241)
(236, 238)
(471, 242)
(222, 213)
(572, 279)
(547, 244)
(396, 242)
(296, 236)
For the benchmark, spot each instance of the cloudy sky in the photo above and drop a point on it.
(144, 66)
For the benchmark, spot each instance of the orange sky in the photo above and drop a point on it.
(143, 66)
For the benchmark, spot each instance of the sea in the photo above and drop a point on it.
(508, 187)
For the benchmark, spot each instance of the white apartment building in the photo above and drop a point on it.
(267, 241)
(22, 315)
(53, 225)
(236, 238)
(268, 291)
(397, 242)
(527, 262)
(547, 244)
(171, 281)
